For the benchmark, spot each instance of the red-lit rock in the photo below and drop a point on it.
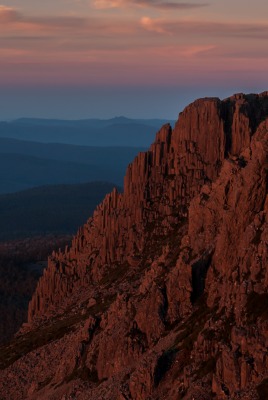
(163, 292)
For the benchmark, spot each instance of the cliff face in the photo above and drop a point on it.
(158, 187)
(21, 265)
(163, 293)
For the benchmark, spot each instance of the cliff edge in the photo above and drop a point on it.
(163, 292)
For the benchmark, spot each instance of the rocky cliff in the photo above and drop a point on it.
(21, 265)
(163, 292)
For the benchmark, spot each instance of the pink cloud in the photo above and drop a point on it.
(152, 25)
(160, 4)
(8, 14)
(122, 50)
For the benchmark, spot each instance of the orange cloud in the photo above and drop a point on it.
(152, 25)
(8, 14)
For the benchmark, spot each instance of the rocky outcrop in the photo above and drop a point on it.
(21, 265)
(158, 188)
(163, 292)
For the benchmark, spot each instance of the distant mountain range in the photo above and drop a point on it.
(26, 164)
(37, 152)
(59, 209)
(119, 131)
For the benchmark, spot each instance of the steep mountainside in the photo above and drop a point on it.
(163, 292)
(21, 265)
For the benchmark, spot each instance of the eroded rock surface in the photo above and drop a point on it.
(163, 292)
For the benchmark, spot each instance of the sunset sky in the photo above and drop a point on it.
(138, 58)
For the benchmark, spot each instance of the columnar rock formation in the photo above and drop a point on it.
(158, 187)
(163, 293)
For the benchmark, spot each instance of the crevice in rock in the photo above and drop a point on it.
(256, 110)
(138, 337)
(163, 365)
(227, 112)
(164, 306)
(199, 273)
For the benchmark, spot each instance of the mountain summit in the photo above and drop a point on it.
(163, 292)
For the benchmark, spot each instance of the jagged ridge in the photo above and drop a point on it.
(158, 187)
(163, 293)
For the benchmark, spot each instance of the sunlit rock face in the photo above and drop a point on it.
(163, 292)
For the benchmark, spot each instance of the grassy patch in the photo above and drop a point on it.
(56, 329)
(24, 344)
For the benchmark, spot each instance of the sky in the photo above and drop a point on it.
(138, 58)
